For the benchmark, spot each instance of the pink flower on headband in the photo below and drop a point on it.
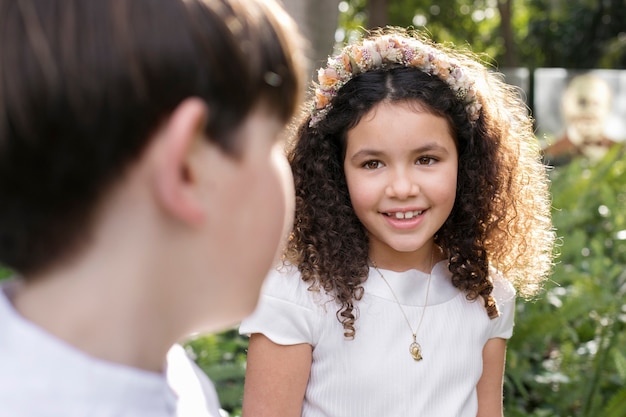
(327, 76)
(384, 52)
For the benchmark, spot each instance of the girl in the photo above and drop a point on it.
(421, 202)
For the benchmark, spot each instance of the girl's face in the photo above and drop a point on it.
(401, 169)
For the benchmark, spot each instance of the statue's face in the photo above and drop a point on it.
(586, 106)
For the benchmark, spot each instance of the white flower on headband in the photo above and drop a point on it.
(386, 51)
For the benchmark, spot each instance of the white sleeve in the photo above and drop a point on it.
(504, 294)
(195, 391)
(287, 312)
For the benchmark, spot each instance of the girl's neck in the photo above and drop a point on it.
(423, 259)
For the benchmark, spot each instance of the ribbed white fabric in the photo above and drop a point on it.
(374, 374)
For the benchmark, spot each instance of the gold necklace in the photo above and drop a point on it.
(414, 348)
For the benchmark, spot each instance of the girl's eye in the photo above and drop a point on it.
(372, 164)
(425, 160)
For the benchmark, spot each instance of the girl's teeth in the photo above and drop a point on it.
(407, 215)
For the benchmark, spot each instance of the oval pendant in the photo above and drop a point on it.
(416, 351)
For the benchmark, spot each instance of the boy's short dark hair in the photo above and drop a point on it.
(84, 84)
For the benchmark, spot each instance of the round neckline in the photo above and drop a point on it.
(410, 285)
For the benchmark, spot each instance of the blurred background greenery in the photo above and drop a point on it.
(529, 33)
(567, 354)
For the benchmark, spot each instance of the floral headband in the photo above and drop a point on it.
(384, 52)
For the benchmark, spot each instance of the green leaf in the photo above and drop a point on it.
(616, 406)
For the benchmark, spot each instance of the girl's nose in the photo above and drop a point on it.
(402, 186)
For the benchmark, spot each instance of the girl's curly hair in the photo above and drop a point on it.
(501, 216)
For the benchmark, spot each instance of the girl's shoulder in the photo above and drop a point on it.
(503, 290)
(284, 282)
(504, 293)
(287, 311)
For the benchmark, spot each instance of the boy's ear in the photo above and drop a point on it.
(175, 182)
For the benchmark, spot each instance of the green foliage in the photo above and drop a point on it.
(352, 17)
(4, 273)
(544, 33)
(576, 34)
(463, 22)
(223, 357)
(566, 357)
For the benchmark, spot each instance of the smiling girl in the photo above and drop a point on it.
(421, 206)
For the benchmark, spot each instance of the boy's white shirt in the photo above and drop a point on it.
(41, 376)
(195, 391)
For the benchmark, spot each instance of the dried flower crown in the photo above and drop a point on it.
(386, 51)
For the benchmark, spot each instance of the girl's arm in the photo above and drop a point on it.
(489, 386)
(276, 378)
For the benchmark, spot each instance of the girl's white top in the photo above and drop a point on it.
(374, 374)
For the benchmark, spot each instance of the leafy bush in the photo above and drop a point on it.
(222, 357)
(568, 353)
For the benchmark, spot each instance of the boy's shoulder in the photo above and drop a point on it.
(195, 391)
(44, 377)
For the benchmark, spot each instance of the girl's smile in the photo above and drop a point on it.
(401, 169)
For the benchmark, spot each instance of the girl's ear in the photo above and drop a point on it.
(175, 184)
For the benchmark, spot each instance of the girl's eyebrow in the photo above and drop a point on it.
(367, 153)
(431, 147)
(376, 153)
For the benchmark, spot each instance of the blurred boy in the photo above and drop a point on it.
(143, 193)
